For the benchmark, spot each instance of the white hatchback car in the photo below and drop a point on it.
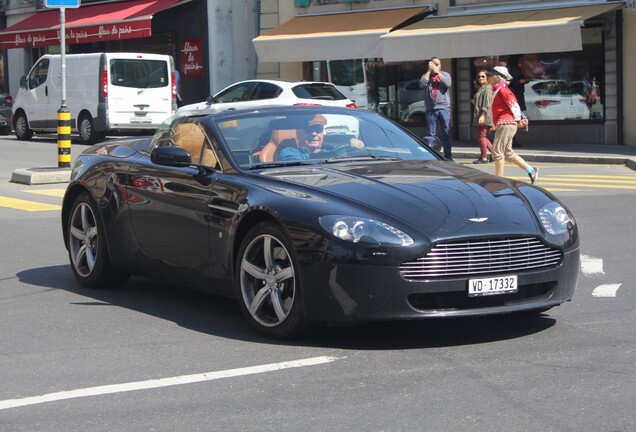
(551, 99)
(255, 93)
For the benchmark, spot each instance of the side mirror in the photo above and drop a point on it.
(171, 156)
(23, 82)
(210, 100)
(433, 142)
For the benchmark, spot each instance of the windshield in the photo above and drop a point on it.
(316, 136)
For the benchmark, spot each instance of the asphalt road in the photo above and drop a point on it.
(156, 357)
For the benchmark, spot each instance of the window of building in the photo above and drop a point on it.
(557, 86)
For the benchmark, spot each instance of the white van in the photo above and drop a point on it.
(106, 93)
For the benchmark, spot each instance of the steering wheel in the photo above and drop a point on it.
(341, 150)
(346, 150)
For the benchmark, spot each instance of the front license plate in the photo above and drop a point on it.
(492, 286)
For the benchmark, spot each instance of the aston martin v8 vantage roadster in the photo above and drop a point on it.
(317, 214)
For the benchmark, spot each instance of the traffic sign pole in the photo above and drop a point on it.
(63, 115)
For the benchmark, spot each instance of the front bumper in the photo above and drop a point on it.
(350, 292)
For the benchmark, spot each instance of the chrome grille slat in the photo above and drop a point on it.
(482, 257)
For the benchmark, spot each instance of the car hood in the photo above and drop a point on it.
(441, 199)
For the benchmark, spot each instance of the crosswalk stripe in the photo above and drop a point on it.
(548, 181)
(629, 181)
(48, 192)
(20, 204)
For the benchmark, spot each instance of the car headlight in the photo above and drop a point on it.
(555, 219)
(363, 230)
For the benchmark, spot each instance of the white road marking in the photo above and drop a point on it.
(163, 382)
(591, 265)
(606, 290)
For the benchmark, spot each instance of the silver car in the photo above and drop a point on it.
(6, 102)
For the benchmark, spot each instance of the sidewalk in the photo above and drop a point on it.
(464, 151)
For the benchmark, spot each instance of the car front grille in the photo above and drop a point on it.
(482, 257)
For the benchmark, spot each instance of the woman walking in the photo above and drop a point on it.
(506, 116)
(481, 115)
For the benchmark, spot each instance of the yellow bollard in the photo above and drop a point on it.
(63, 138)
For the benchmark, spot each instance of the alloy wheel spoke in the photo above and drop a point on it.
(259, 300)
(79, 257)
(77, 233)
(284, 274)
(267, 252)
(253, 270)
(90, 257)
(279, 306)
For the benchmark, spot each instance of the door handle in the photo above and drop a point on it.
(46, 91)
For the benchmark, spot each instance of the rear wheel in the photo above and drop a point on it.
(268, 283)
(21, 126)
(87, 133)
(87, 249)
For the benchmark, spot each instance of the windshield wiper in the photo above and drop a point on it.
(279, 164)
(361, 158)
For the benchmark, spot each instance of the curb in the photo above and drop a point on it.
(43, 175)
(527, 155)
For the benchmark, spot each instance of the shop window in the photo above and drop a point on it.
(557, 86)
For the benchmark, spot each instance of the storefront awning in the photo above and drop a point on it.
(521, 32)
(91, 23)
(337, 36)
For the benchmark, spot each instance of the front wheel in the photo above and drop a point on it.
(21, 126)
(268, 283)
(87, 249)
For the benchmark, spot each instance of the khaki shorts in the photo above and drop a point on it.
(502, 144)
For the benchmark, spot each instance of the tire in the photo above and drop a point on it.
(268, 283)
(87, 249)
(21, 126)
(87, 133)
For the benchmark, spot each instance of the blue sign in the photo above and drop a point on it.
(62, 3)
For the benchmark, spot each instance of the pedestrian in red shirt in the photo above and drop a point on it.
(506, 118)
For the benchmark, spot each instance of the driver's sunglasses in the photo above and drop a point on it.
(482, 76)
(317, 129)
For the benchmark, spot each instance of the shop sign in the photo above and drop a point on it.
(191, 58)
(94, 33)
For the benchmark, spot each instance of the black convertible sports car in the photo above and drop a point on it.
(316, 214)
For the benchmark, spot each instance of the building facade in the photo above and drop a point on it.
(210, 40)
(572, 57)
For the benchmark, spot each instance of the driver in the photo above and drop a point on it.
(309, 144)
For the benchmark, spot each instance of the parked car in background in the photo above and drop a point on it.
(410, 92)
(379, 231)
(5, 124)
(255, 93)
(107, 93)
(414, 113)
(6, 102)
(554, 100)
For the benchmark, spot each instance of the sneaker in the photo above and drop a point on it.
(534, 175)
(480, 161)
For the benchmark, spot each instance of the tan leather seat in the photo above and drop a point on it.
(190, 137)
(266, 154)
